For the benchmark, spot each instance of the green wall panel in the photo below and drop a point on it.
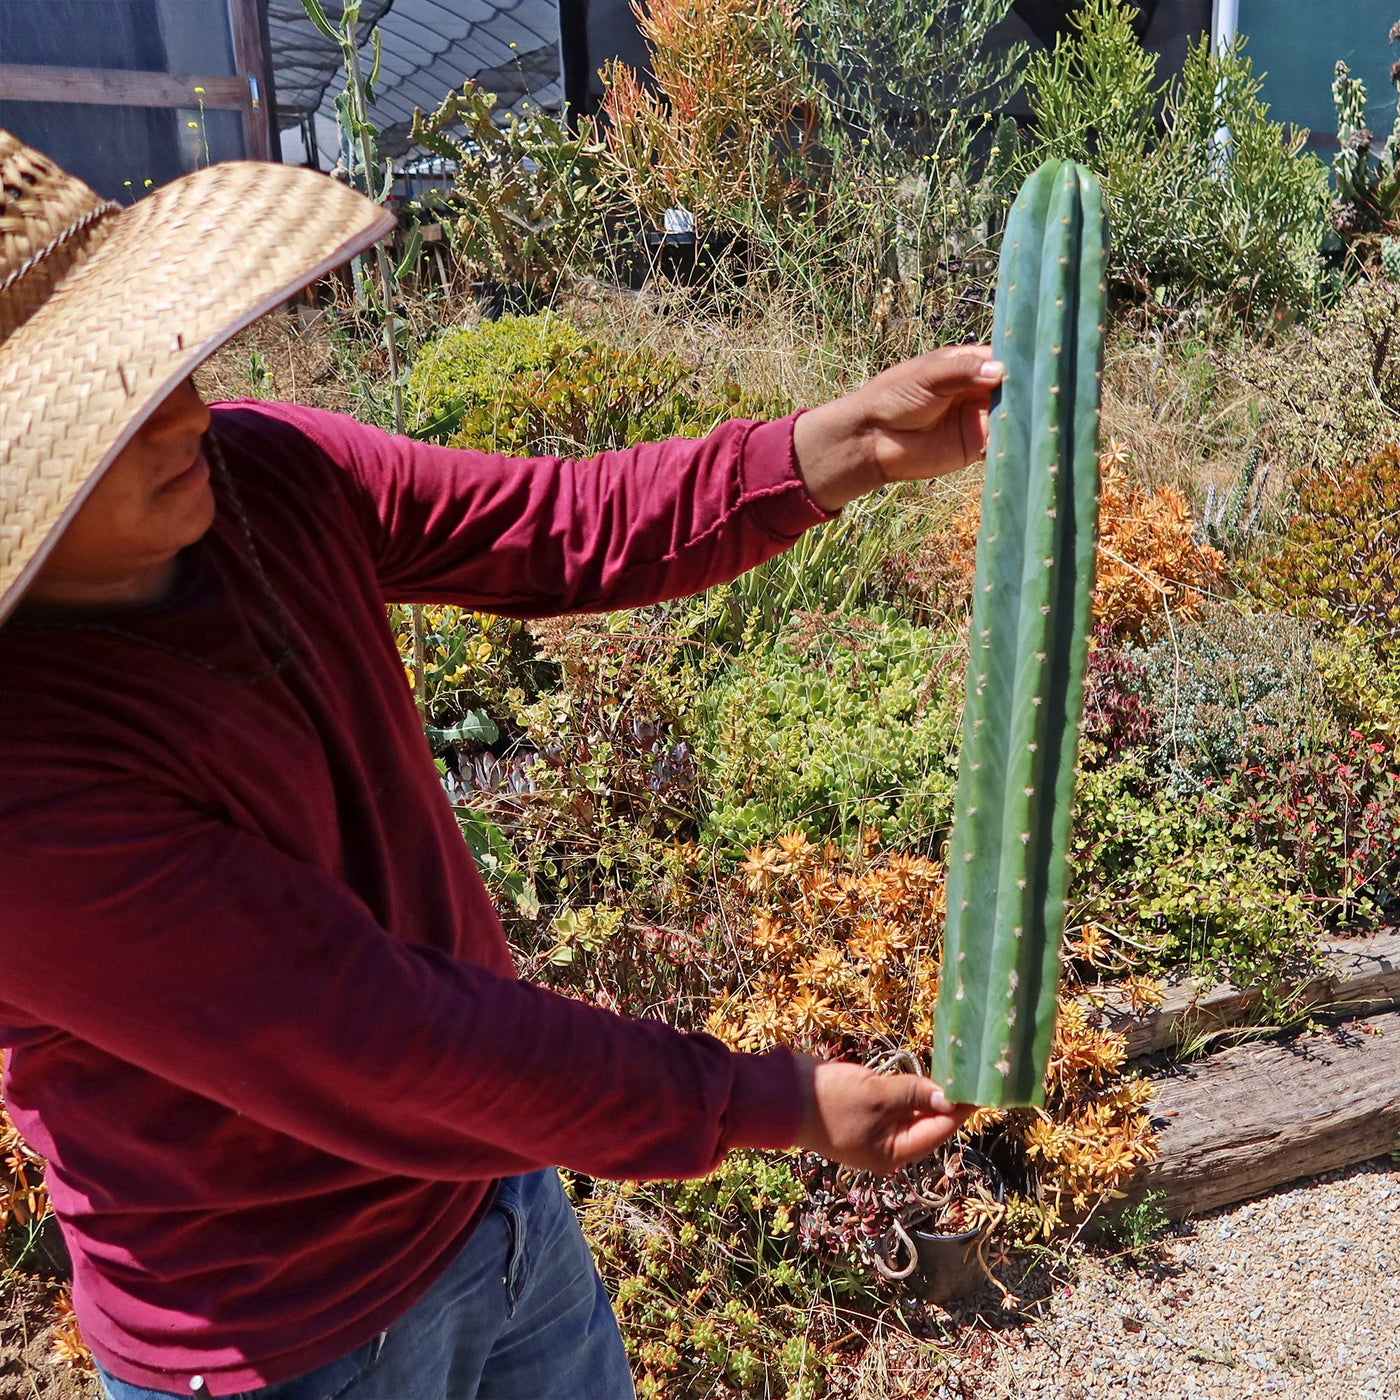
(1298, 42)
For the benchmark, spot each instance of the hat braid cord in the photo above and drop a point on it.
(57, 241)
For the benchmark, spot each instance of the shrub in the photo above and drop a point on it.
(1366, 212)
(841, 954)
(533, 385)
(1164, 879)
(905, 82)
(477, 666)
(24, 1200)
(526, 206)
(713, 1294)
(1339, 560)
(1330, 393)
(841, 723)
(1364, 688)
(722, 125)
(1151, 570)
(1231, 690)
(1116, 718)
(612, 779)
(1191, 220)
(1334, 815)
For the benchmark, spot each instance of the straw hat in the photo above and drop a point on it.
(104, 310)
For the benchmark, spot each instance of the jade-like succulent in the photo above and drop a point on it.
(1031, 621)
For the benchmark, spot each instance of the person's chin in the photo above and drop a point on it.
(193, 518)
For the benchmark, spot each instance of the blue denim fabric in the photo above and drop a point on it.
(520, 1315)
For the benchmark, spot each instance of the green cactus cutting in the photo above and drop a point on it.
(1031, 620)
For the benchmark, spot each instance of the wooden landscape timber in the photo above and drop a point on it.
(1256, 1116)
(1359, 977)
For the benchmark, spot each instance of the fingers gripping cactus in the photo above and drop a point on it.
(1030, 627)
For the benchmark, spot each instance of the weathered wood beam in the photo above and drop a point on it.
(1359, 977)
(116, 87)
(1255, 1116)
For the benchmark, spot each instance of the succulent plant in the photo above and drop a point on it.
(1366, 211)
(1031, 621)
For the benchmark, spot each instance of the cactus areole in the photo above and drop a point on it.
(1031, 618)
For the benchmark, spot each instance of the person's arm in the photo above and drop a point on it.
(207, 957)
(535, 537)
(539, 536)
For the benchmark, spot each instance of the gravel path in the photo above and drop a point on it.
(1296, 1294)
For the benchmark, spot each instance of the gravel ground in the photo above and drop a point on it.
(1296, 1294)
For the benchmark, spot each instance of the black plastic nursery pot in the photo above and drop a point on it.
(949, 1266)
(688, 258)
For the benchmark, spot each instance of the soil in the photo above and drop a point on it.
(27, 1371)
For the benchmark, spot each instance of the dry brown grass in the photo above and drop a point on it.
(1181, 417)
(285, 356)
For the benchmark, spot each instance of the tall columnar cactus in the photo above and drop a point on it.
(1031, 619)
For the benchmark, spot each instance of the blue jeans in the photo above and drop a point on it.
(520, 1315)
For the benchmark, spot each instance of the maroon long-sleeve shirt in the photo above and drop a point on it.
(263, 1016)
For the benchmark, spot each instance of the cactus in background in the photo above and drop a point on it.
(1030, 627)
(1366, 211)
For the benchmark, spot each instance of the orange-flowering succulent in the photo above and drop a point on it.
(23, 1197)
(1150, 566)
(840, 952)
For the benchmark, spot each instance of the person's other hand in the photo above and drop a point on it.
(875, 1122)
(918, 419)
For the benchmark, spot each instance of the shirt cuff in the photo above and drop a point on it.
(765, 1104)
(774, 490)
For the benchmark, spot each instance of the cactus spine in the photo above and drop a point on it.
(1031, 619)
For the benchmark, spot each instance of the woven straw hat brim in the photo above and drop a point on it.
(162, 285)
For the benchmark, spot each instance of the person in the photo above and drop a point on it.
(300, 1118)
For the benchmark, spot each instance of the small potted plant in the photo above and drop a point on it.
(924, 1227)
(936, 1246)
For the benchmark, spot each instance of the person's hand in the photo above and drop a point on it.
(918, 419)
(875, 1122)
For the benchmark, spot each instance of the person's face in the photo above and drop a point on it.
(153, 501)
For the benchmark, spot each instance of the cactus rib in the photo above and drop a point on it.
(1030, 625)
